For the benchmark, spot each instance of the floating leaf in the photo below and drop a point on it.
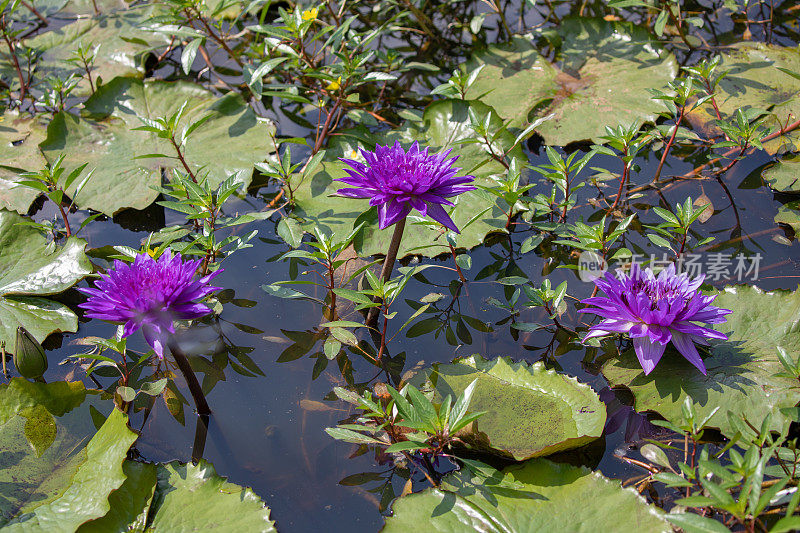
(228, 143)
(537, 495)
(194, 498)
(27, 272)
(789, 214)
(63, 483)
(784, 175)
(19, 152)
(753, 80)
(515, 79)
(530, 411)
(607, 69)
(741, 371)
(122, 44)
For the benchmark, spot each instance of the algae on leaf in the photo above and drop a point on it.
(530, 411)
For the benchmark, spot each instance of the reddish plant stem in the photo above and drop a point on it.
(219, 40)
(622, 180)
(182, 160)
(66, 220)
(669, 146)
(34, 11)
(323, 134)
(22, 84)
(458, 268)
(383, 335)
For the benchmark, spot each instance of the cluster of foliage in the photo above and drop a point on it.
(566, 126)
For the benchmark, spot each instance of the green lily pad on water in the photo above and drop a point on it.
(536, 496)
(28, 272)
(753, 80)
(444, 123)
(122, 46)
(789, 214)
(741, 371)
(530, 411)
(54, 475)
(181, 497)
(607, 69)
(784, 175)
(515, 79)
(19, 152)
(229, 143)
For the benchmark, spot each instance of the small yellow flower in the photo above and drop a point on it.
(334, 85)
(310, 14)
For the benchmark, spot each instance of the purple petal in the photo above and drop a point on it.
(687, 349)
(649, 353)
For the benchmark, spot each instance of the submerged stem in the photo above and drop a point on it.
(191, 380)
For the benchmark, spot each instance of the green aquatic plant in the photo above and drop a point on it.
(406, 421)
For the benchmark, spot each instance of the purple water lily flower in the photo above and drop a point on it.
(397, 181)
(655, 310)
(150, 294)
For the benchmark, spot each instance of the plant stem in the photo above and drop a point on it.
(191, 380)
(182, 160)
(66, 220)
(22, 85)
(669, 145)
(388, 265)
(458, 268)
(34, 11)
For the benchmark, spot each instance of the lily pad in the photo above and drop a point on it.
(181, 497)
(515, 79)
(59, 483)
(789, 214)
(122, 45)
(19, 152)
(28, 272)
(538, 495)
(530, 411)
(229, 143)
(444, 124)
(784, 176)
(753, 80)
(741, 371)
(607, 69)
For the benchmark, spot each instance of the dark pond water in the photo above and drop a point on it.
(266, 430)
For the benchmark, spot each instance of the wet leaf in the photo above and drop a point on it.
(27, 273)
(546, 496)
(530, 411)
(104, 138)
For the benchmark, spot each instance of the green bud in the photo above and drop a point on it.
(29, 356)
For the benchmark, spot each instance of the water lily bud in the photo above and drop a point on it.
(29, 356)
